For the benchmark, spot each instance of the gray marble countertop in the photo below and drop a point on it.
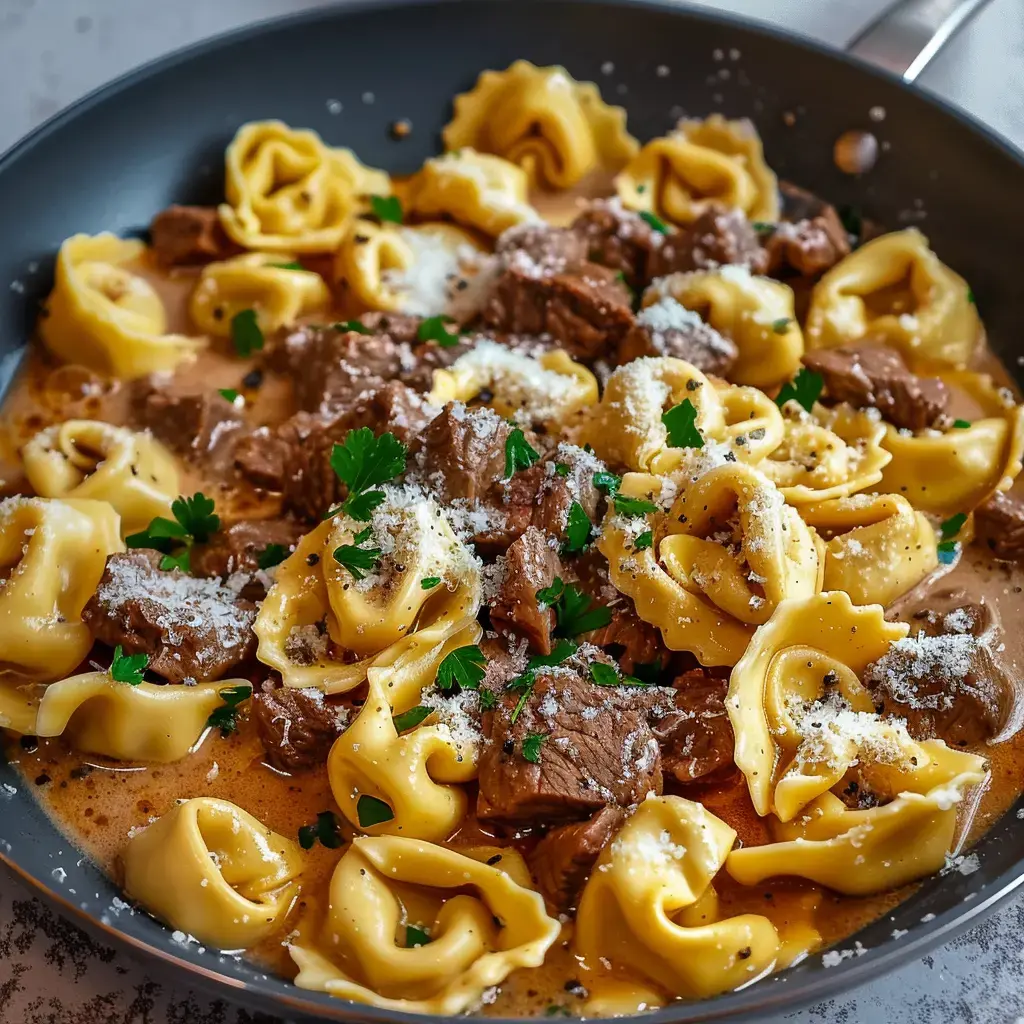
(52, 52)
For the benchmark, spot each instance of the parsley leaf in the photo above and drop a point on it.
(464, 667)
(415, 936)
(645, 540)
(947, 551)
(246, 335)
(961, 424)
(128, 668)
(194, 522)
(654, 221)
(429, 582)
(763, 227)
(547, 596)
(577, 529)
(781, 326)
(532, 743)
(358, 561)
(181, 561)
(225, 717)
(370, 811)
(361, 506)
(681, 423)
(608, 482)
(411, 718)
(518, 453)
(387, 208)
(196, 516)
(562, 650)
(804, 388)
(561, 469)
(488, 700)
(608, 675)
(293, 265)
(634, 507)
(970, 296)
(351, 325)
(648, 671)
(229, 394)
(364, 461)
(953, 525)
(326, 831)
(576, 612)
(433, 329)
(271, 555)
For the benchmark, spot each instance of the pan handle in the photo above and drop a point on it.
(909, 34)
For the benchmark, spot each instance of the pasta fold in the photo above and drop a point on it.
(213, 871)
(483, 923)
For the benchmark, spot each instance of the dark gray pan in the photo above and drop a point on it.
(158, 135)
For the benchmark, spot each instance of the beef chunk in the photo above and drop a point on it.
(530, 565)
(562, 861)
(557, 493)
(630, 640)
(810, 240)
(191, 629)
(667, 328)
(550, 249)
(622, 240)
(696, 736)
(398, 326)
(999, 523)
(261, 456)
(189, 234)
(296, 727)
(868, 375)
(237, 548)
(719, 236)
(597, 749)
(394, 408)
(189, 424)
(948, 678)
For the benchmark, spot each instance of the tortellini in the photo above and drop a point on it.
(287, 191)
(52, 555)
(105, 316)
(557, 129)
(649, 905)
(713, 161)
(213, 871)
(799, 711)
(473, 189)
(733, 551)
(626, 428)
(267, 283)
(827, 453)
(316, 603)
(87, 459)
(860, 852)
(894, 290)
(757, 313)
(425, 270)
(482, 921)
(877, 547)
(549, 390)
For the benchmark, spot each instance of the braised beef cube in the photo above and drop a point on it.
(667, 328)
(999, 524)
(807, 247)
(239, 547)
(696, 735)
(553, 250)
(310, 487)
(593, 746)
(190, 424)
(530, 565)
(190, 628)
(398, 326)
(557, 492)
(261, 456)
(631, 641)
(394, 408)
(950, 678)
(296, 727)
(563, 860)
(719, 236)
(182, 235)
(869, 376)
(622, 240)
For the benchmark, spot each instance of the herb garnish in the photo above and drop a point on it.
(387, 208)
(415, 936)
(370, 811)
(429, 582)
(433, 329)
(781, 326)
(463, 668)
(293, 265)
(532, 743)
(577, 529)
(804, 389)
(128, 668)
(358, 560)
(947, 547)
(608, 675)
(645, 540)
(562, 469)
(681, 423)
(229, 394)
(654, 221)
(632, 507)
(524, 682)
(351, 325)
(271, 555)
(961, 424)
(518, 453)
(411, 718)
(194, 522)
(488, 700)
(245, 333)
(363, 461)
(576, 612)
(225, 717)
(326, 831)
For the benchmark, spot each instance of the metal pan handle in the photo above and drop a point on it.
(909, 34)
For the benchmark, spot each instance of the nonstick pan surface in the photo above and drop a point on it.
(158, 135)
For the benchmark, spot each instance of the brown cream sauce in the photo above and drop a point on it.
(99, 804)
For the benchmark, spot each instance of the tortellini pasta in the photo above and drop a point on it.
(473, 189)
(287, 191)
(877, 547)
(757, 313)
(712, 161)
(105, 316)
(87, 459)
(557, 129)
(267, 283)
(52, 555)
(213, 871)
(316, 603)
(551, 389)
(646, 905)
(894, 290)
(626, 428)
(477, 937)
(827, 453)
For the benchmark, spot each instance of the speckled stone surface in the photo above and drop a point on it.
(53, 51)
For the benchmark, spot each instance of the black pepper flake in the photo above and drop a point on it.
(509, 746)
(494, 860)
(43, 779)
(361, 239)
(82, 771)
(312, 559)
(730, 457)
(30, 744)
(757, 434)
(253, 379)
(692, 385)
(744, 953)
(830, 679)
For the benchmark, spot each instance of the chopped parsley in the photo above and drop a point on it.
(429, 582)
(532, 743)
(562, 469)
(576, 612)
(577, 529)
(387, 208)
(463, 668)
(961, 424)
(645, 540)
(653, 221)
(293, 265)
(947, 551)
(970, 296)
(351, 325)
(370, 811)
(681, 423)
(433, 329)
(364, 461)
(608, 482)
(271, 555)
(246, 335)
(763, 227)
(229, 394)
(608, 675)
(953, 525)
(488, 700)
(128, 668)
(326, 831)
(781, 326)
(804, 389)
(194, 522)
(358, 560)
(416, 936)
(634, 508)
(225, 717)
(411, 718)
(524, 683)
(647, 671)
(518, 453)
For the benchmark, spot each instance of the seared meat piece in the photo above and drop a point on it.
(870, 376)
(948, 678)
(398, 326)
(189, 234)
(530, 565)
(562, 861)
(719, 236)
(189, 424)
(261, 456)
(811, 240)
(595, 748)
(553, 250)
(630, 640)
(237, 548)
(696, 737)
(622, 240)
(557, 492)
(667, 328)
(394, 408)
(999, 523)
(191, 629)
(296, 727)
